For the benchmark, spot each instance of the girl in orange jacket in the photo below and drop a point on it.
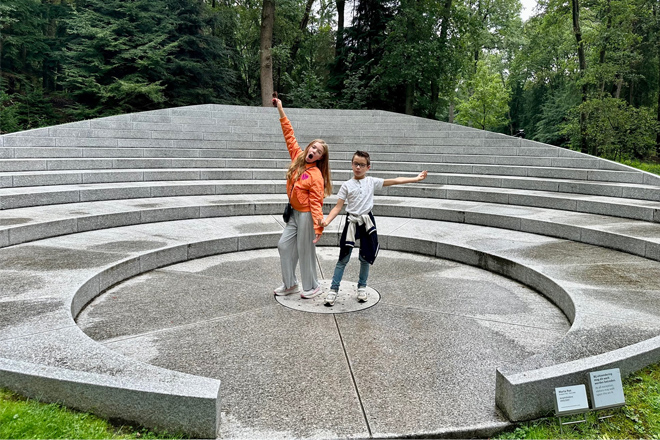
(308, 181)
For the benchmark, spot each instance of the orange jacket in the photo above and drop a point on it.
(308, 189)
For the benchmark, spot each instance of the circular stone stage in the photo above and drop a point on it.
(417, 359)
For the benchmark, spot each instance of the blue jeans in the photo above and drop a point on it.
(339, 272)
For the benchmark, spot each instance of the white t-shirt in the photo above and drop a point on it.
(358, 195)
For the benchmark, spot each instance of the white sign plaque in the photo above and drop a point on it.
(606, 388)
(571, 400)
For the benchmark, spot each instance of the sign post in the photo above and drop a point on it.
(570, 400)
(606, 389)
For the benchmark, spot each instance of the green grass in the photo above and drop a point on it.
(22, 418)
(640, 418)
(651, 167)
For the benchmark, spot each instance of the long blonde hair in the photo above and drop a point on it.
(297, 167)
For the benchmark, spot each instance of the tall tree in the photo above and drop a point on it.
(577, 31)
(485, 102)
(200, 67)
(116, 60)
(363, 51)
(266, 57)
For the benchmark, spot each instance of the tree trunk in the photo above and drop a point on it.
(410, 96)
(451, 111)
(339, 44)
(435, 99)
(657, 135)
(303, 26)
(575, 7)
(265, 55)
(619, 86)
(48, 65)
(446, 12)
(442, 71)
(601, 58)
(656, 14)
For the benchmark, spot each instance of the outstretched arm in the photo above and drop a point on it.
(402, 180)
(333, 213)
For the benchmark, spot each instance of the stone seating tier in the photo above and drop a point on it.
(116, 176)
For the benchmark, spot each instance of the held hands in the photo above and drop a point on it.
(322, 223)
(422, 175)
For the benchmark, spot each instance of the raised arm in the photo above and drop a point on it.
(334, 212)
(287, 131)
(280, 109)
(401, 180)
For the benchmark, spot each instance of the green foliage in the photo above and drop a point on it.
(485, 102)
(555, 113)
(355, 93)
(8, 114)
(24, 418)
(200, 69)
(62, 60)
(650, 167)
(117, 52)
(614, 129)
(363, 52)
(309, 93)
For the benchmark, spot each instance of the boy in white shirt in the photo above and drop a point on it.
(358, 194)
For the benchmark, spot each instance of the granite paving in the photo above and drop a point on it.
(413, 364)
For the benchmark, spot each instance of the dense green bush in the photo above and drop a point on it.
(614, 129)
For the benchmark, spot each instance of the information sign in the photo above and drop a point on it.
(606, 389)
(571, 400)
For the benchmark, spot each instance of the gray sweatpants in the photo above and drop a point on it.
(296, 244)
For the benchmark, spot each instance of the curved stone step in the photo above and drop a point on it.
(504, 204)
(49, 178)
(634, 237)
(18, 167)
(45, 158)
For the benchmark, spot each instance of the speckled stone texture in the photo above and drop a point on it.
(172, 218)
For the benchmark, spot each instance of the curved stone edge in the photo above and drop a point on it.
(167, 399)
(520, 400)
(526, 395)
(21, 234)
(530, 394)
(193, 405)
(188, 405)
(622, 205)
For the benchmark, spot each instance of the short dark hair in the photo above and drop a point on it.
(364, 155)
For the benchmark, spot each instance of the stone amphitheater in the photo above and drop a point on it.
(139, 256)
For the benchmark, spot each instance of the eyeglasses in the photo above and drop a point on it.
(360, 165)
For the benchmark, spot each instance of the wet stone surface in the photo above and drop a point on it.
(14, 221)
(439, 331)
(41, 258)
(128, 246)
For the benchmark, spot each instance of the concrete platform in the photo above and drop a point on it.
(420, 362)
(516, 267)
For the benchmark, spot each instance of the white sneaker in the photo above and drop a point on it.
(311, 293)
(330, 298)
(283, 291)
(362, 294)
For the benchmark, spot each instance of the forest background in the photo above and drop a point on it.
(582, 74)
